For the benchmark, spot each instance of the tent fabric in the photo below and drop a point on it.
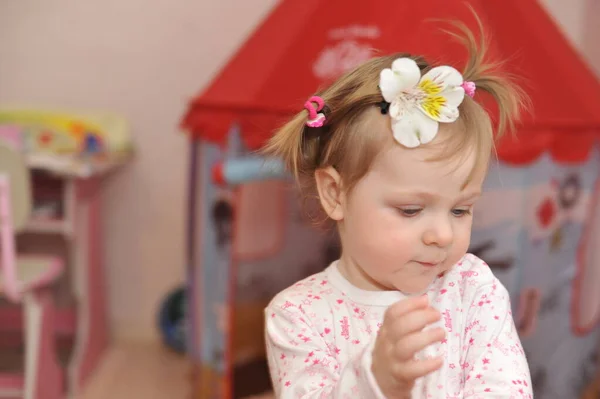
(303, 45)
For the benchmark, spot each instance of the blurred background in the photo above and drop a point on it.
(137, 121)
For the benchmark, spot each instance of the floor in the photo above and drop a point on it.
(149, 371)
(146, 371)
(152, 372)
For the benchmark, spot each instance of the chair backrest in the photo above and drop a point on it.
(15, 208)
(13, 166)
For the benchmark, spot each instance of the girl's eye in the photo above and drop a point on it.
(461, 212)
(410, 212)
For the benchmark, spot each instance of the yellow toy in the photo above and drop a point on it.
(66, 133)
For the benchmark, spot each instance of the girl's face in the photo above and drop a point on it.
(408, 219)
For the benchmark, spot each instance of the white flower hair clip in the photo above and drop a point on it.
(417, 104)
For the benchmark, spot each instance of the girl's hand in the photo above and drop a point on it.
(401, 336)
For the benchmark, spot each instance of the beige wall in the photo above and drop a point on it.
(591, 37)
(579, 21)
(145, 59)
(570, 16)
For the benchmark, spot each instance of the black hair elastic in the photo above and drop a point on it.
(385, 107)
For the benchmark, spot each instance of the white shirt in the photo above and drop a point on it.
(320, 334)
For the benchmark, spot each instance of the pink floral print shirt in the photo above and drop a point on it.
(320, 334)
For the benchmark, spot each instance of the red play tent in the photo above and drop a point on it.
(304, 44)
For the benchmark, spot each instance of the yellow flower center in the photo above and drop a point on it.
(430, 87)
(433, 104)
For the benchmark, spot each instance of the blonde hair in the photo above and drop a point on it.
(345, 144)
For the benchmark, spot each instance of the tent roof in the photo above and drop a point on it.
(304, 44)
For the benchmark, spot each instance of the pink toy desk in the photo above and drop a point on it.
(80, 228)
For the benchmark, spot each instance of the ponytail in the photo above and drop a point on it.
(501, 85)
(287, 143)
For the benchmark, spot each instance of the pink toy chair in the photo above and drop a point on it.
(27, 280)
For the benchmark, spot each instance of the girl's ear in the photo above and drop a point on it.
(329, 187)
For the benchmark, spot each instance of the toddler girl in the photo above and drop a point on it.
(397, 151)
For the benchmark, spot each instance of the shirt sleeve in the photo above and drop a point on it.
(303, 365)
(495, 364)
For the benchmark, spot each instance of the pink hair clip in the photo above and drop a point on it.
(315, 119)
(469, 88)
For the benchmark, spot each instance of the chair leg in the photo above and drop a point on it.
(43, 375)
